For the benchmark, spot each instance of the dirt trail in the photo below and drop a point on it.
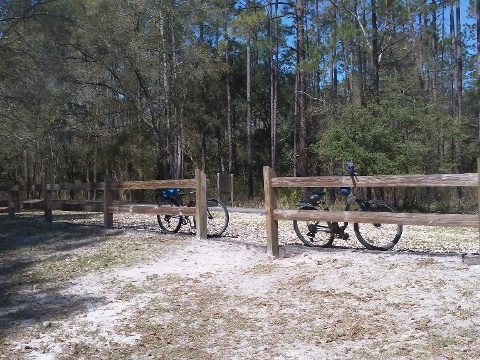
(71, 291)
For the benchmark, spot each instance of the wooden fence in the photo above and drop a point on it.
(108, 207)
(272, 183)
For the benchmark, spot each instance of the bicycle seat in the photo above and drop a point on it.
(315, 196)
(170, 192)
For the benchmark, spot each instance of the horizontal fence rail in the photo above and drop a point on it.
(379, 217)
(151, 210)
(273, 215)
(438, 180)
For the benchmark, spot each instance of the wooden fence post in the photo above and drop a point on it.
(271, 195)
(107, 201)
(11, 200)
(201, 200)
(47, 194)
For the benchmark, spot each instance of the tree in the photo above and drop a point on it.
(301, 89)
(455, 34)
(478, 63)
(33, 90)
(161, 90)
(273, 34)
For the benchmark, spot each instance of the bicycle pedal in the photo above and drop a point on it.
(345, 236)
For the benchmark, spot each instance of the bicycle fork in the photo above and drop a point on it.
(190, 222)
(339, 231)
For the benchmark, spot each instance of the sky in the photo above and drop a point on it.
(464, 8)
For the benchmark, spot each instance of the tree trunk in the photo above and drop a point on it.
(179, 148)
(301, 98)
(455, 34)
(375, 54)
(478, 64)
(229, 95)
(333, 64)
(362, 66)
(434, 52)
(459, 86)
(204, 150)
(249, 122)
(164, 38)
(295, 130)
(273, 32)
(229, 121)
(348, 60)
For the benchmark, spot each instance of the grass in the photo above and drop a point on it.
(63, 259)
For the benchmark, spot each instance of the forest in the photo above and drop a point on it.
(153, 89)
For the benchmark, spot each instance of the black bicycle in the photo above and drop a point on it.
(217, 214)
(322, 234)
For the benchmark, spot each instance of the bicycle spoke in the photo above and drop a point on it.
(217, 218)
(169, 223)
(378, 236)
(314, 233)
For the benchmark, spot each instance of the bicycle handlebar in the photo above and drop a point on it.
(351, 168)
(352, 173)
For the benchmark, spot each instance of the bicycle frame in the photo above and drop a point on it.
(373, 236)
(334, 227)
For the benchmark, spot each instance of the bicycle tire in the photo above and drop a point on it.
(314, 233)
(169, 223)
(378, 236)
(217, 218)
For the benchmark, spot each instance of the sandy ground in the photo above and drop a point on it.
(227, 299)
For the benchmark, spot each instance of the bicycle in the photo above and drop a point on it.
(217, 214)
(371, 236)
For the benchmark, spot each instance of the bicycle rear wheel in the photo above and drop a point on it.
(217, 218)
(314, 233)
(169, 223)
(378, 236)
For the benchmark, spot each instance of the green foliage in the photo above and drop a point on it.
(357, 135)
(249, 21)
(289, 197)
(392, 138)
(129, 88)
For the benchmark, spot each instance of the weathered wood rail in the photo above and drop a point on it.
(108, 207)
(273, 215)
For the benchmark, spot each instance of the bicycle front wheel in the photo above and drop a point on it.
(169, 223)
(314, 233)
(217, 218)
(378, 236)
